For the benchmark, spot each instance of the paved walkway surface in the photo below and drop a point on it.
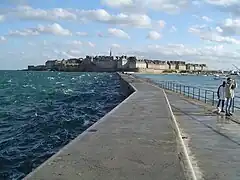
(135, 142)
(213, 139)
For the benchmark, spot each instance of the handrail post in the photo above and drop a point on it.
(180, 89)
(188, 90)
(199, 93)
(213, 99)
(205, 96)
(193, 91)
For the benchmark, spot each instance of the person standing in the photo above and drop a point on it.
(221, 97)
(230, 87)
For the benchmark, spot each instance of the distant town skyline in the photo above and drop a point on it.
(196, 31)
(117, 64)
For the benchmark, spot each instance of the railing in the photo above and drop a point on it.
(205, 95)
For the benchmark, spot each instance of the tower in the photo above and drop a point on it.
(110, 53)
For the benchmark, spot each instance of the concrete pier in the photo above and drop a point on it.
(135, 141)
(213, 140)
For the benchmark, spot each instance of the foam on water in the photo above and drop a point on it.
(40, 112)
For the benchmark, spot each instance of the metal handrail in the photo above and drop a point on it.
(205, 95)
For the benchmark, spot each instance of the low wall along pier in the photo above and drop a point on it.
(138, 139)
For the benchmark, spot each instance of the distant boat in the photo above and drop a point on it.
(235, 74)
(218, 77)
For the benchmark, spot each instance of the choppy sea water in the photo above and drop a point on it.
(40, 112)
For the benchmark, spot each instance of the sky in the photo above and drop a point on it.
(34, 31)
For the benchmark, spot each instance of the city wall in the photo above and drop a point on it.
(111, 64)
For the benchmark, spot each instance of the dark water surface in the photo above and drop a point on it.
(40, 112)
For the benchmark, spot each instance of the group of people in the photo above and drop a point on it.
(226, 96)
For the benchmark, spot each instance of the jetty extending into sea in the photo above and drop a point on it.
(153, 134)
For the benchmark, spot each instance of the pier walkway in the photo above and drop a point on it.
(135, 141)
(213, 140)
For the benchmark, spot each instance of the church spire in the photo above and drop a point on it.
(110, 52)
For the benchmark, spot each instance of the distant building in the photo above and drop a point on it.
(181, 65)
(203, 67)
(141, 64)
(117, 63)
(190, 67)
(50, 64)
(30, 68)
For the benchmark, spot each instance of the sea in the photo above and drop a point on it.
(40, 112)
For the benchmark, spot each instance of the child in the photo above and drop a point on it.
(221, 93)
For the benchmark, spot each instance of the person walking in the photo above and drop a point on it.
(230, 87)
(221, 97)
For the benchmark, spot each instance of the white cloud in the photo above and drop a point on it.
(2, 38)
(212, 55)
(54, 29)
(173, 29)
(153, 35)
(213, 35)
(2, 18)
(60, 54)
(230, 27)
(57, 14)
(118, 3)
(25, 32)
(75, 52)
(232, 6)
(29, 13)
(91, 44)
(206, 18)
(167, 6)
(101, 15)
(75, 43)
(222, 2)
(115, 46)
(81, 33)
(118, 33)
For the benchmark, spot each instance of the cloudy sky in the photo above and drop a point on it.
(206, 31)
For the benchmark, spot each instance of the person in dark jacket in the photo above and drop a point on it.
(221, 93)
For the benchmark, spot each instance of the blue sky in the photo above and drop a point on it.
(204, 31)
